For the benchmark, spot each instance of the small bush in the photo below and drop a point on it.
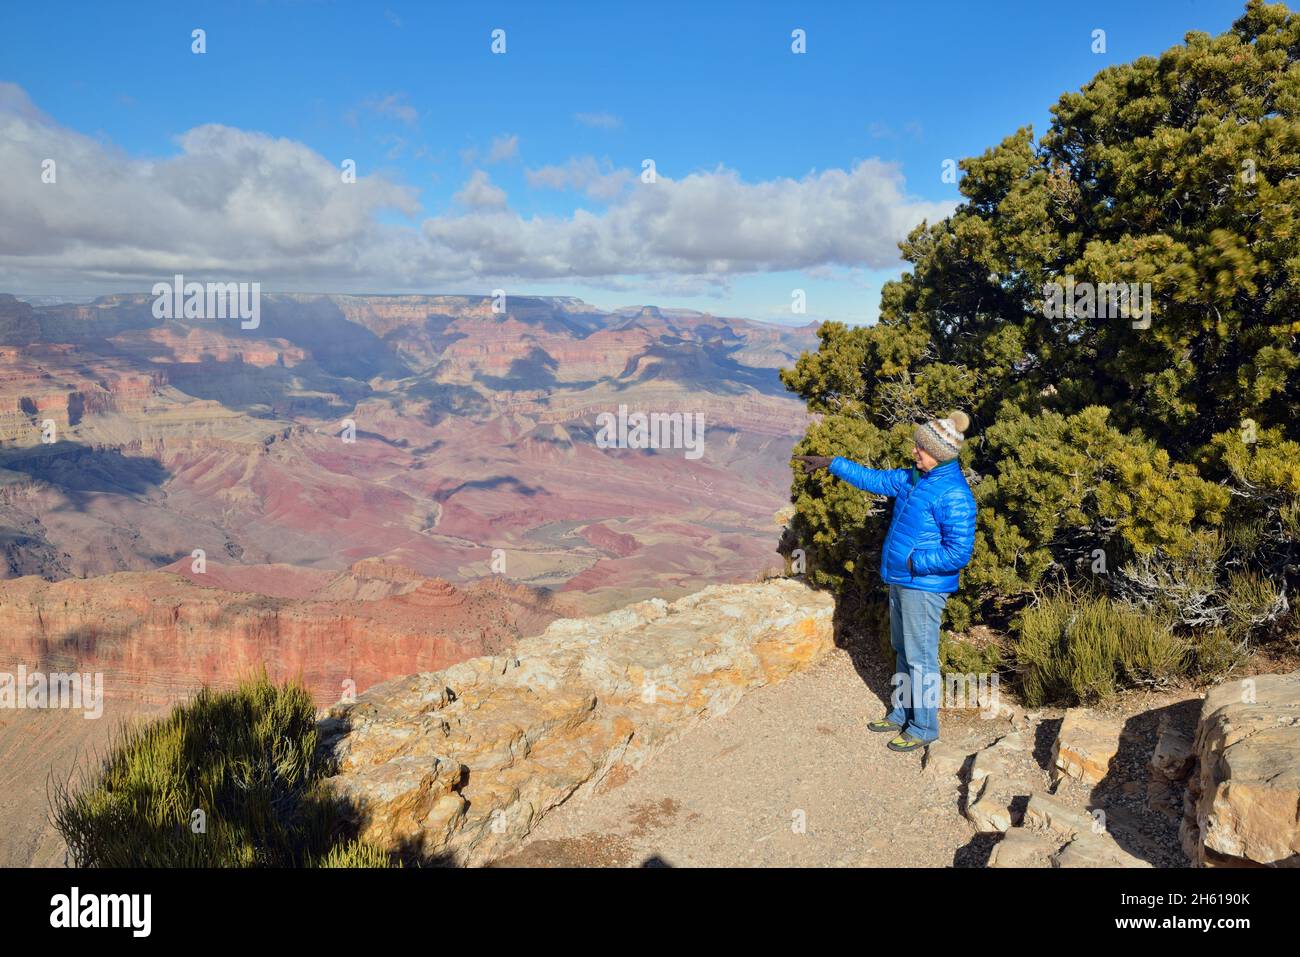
(1079, 650)
(1254, 604)
(961, 656)
(243, 762)
(1215, 653)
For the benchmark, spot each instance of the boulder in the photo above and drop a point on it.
(990, 811)
(995, 786)
(987, 763)
(1095, 849)
(943, 760)
(1078, 837)
(1241, 803)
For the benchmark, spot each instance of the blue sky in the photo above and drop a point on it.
(780, 171)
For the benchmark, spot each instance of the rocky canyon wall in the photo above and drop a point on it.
(157, 636)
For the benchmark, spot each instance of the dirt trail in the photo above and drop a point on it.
(733, 791)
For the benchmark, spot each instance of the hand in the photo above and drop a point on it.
(811, 463)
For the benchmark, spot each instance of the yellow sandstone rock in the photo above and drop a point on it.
(459, 765)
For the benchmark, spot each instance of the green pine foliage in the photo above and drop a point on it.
(965, 657)
(246, 759)
(1156, 458)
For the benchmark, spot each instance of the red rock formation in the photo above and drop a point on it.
(157, 636)
(168, 345)
(609, 540)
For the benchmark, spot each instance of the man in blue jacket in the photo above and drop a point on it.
(930, 539)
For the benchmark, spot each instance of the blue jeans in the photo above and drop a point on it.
(914, 618)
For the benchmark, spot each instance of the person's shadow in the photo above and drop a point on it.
(861, 628)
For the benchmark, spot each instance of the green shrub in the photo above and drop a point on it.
(1215, 653)
(241, 768)
(1083, 650)
(962, 656)
(1158, 461)
(1252, 603)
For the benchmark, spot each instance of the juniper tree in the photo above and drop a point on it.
(1096, 431)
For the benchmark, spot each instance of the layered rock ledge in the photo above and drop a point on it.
(1242, 804)
(458, 765)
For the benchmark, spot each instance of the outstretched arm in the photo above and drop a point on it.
(878, 481)
(955, 516)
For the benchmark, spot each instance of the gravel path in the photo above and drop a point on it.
(792, 777)
(735, 790)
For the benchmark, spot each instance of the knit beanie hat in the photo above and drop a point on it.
(942, 438)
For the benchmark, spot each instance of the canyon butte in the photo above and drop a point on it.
(359, 488)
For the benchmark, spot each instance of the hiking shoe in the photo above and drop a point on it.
(905, 742)
(884, 725)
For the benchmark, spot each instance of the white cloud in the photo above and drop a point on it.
(479, 192)
(230, 201)
(582, 173)
(503, 148)
(704, 223)
(242, 205)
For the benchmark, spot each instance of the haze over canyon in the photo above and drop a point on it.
(384, 483)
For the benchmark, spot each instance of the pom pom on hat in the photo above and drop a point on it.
(943, 438)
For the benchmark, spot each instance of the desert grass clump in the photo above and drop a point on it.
(1084, 649)
(355, 853)
(1254, 605)
(229, 779)
(1215, 653)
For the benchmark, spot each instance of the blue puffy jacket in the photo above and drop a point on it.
(933, 523)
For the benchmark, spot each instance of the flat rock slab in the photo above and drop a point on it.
(999, 783)
(1046, 813)
(944, 760)
(1090, 849)
(1085, 746)
(1024, 847)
